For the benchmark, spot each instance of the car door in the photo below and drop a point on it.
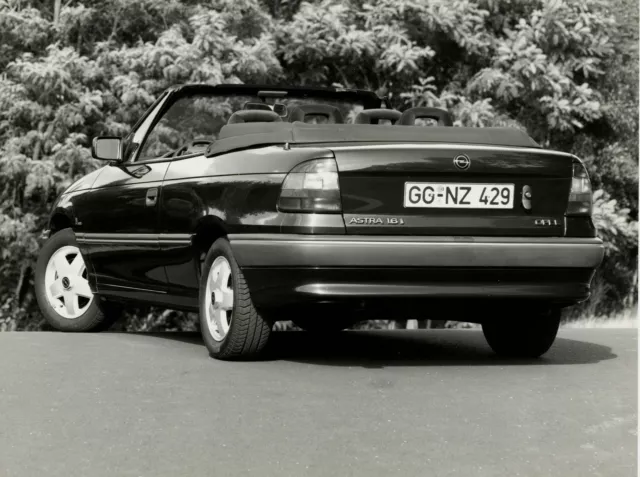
(118, 219)
(196, 119)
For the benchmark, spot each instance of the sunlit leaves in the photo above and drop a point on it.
(460, 21)
(21, 30)
(560, 69)
(41, 178)
(14, 165)
(325, 41)
(474, 114)
(423, 93)
(540, 60)
(613, 223)
(615, 169)
(52, 79)
(16, 234)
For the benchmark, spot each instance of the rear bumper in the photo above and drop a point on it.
(273, 250)
(287, 269)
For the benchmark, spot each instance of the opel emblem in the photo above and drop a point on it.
(462, 162)
(66, 283)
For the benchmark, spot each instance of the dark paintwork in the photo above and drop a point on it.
(146, 253)
(292, 250)
(117, 205)
(426, 287)
(288, 269)
(298, 133)
(372, 182)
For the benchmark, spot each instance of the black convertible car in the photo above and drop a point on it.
(253, 204)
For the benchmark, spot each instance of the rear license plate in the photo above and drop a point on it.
(458, 196)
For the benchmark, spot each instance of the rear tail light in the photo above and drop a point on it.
(581, 195)
(311, 187)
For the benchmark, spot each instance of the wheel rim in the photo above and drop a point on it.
(218, 300)
(65, 283)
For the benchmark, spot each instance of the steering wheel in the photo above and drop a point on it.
(193, 143)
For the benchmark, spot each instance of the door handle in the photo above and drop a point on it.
(152, 197)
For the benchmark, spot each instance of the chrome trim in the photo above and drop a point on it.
(134, 238)
(119, 241)
(181, 239)
(117, 238)
(470, 147)
(407, 239)
(462, 162)
(101, 285)
(110, 236)
(448, 290)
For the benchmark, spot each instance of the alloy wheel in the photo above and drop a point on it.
(219, 298)
(66, 284)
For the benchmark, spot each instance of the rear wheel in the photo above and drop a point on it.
(231, 326)
(518, 336)
(62, 288)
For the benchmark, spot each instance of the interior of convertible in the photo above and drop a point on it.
(192, 123)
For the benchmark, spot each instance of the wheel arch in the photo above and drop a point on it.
(209, 229)
(59, 220)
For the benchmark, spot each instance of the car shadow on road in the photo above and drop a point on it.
(377, 349)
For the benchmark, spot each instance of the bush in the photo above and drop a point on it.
(538, 66)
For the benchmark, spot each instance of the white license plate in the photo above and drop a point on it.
(458, 196)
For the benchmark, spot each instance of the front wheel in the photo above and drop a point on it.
(231, 326)
(62, 288)
(527, 334)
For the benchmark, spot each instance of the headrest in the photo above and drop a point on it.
(260, 106)
(333, 114)
(254, 116)
(373, 116)
(409, 117)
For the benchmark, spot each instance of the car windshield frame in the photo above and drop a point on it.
(367, 99)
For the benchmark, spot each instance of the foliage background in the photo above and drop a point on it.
(564, 70)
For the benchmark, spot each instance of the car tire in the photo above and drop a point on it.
(528, 336)
(231, 327)
(61, 291)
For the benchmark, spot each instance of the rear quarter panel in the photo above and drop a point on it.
(241, 189)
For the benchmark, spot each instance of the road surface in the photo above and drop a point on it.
(396, 403)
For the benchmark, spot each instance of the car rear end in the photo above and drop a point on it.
(429, 229)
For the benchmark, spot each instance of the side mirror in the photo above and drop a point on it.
(107, 148)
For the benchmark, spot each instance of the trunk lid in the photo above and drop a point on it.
(458, 190)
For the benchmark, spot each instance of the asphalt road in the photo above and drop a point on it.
(399, 403)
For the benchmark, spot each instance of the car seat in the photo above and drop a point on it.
(254, 116)
(331, 113)
(249, 105)
(409, 117)
(373, 116)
